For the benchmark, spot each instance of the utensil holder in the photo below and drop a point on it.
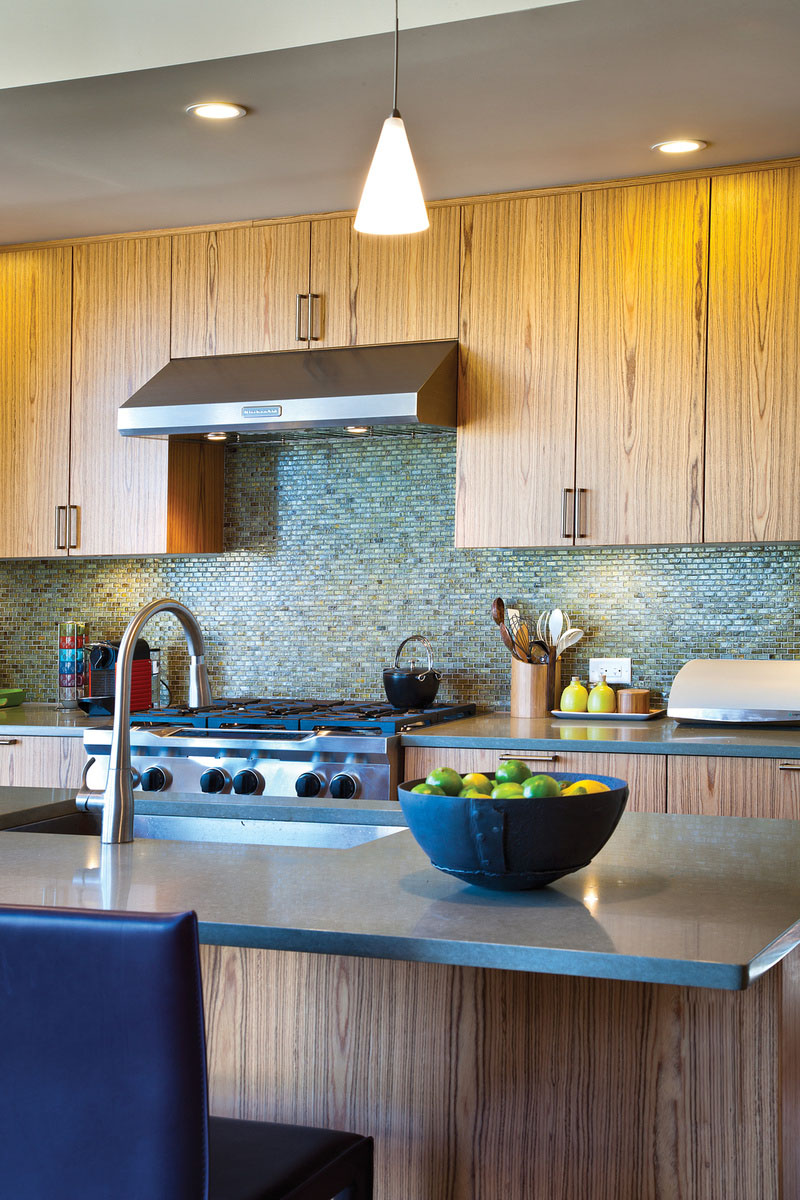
(534, 687)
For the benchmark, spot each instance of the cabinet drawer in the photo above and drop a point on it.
(645, 773)
(52, 762)
(734, 787)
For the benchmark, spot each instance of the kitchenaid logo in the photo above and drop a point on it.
(262, 410)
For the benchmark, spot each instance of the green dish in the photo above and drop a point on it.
(11, 697)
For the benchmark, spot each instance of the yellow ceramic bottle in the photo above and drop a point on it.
(602, 698)
(574, 696)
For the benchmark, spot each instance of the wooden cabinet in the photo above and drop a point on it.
(519, 314)
(34, 400)
(132, 495)
(753, 437)
(646, 774)
(50, 762)
(641, 363)
(733, 787)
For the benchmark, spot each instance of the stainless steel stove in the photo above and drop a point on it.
(287, 748)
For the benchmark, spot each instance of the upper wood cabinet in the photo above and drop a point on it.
(35, 286)
(372, 289)
(519, 314)
(753, 437)
(641, 363)
(240, 291)
(131, 495)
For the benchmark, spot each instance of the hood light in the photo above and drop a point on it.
(217, 110)
(216, 437)
(392, 202)
(357, 429)
(680, 146)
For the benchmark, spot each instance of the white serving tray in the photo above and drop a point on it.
(615, 716)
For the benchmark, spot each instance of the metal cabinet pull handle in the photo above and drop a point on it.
(580, 530)
(8, 741)
(298, 318)
(312, 323)
(789, 767)
(61, 527)
(74, 527)
(566, 508)
(529, 758)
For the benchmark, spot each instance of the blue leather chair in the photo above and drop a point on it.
(103, 1089)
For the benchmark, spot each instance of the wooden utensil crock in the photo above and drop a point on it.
(533, 688)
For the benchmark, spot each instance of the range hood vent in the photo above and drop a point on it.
(410, 384)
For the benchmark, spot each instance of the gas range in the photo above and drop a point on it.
(298, 749)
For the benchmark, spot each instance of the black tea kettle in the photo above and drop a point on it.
(410, 687)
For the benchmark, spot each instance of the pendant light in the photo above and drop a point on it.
(391, 202)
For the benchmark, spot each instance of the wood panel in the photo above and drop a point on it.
(234, 291)
(49, 762)
(482, 1084)
(753, 438)
(35, 316)
(378, 289)
(195, 497)
(641, 363)
(519, 311)
(120, 339)
(733, 787)
(646, 774)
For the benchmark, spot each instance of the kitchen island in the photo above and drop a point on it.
(631, 1031)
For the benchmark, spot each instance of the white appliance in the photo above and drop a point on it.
(736, 689)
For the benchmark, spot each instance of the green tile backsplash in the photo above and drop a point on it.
(337, 550)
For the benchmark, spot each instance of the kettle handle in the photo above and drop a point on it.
(415, 637)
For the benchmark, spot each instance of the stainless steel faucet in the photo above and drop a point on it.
(116, 800)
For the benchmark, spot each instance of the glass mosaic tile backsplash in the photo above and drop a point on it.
(336, 551)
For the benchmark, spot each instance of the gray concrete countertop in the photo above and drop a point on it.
(501, 731)
(703, 901)
(46, 720)
(20, 805)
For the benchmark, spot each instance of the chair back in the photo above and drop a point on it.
(103, 1090)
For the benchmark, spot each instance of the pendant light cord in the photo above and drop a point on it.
(395, 110)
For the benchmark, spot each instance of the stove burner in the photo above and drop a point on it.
(247, 712)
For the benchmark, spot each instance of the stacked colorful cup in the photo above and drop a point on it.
(71, 663)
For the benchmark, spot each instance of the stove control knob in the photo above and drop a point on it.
(344, 787)
(154, 779)
(245, 783)
(308, 784)
(213, 780)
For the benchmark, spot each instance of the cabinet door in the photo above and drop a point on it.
(235, 291)
(35, 318)
(48, 762)
(385, 289)
(733, 787)
(516, 425)
(641, 363)
(753, 435)
(645, 774)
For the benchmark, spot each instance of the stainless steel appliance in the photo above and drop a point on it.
(302, 749)
(710, 691)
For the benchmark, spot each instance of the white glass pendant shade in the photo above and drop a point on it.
(392, 202)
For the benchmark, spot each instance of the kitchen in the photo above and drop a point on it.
(335, 550)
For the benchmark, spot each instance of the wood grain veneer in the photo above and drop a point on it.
(35, 286)
(234, 290)
(732, 787)
(753, 373)
(48, 762)
(641, 363)
(376, 289)
(646, 774)
(519, 311)
(494, 1085)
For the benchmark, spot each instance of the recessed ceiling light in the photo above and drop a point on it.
(217, 110)
(680, 146)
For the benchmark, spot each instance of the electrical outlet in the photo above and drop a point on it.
(616, 670)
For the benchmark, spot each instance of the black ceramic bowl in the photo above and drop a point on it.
(514, 843)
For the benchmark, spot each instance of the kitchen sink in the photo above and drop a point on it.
(325, 835)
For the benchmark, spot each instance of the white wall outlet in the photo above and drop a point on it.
(616, 670)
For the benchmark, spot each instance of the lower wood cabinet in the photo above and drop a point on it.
(733, 787)
(646, 773)
(51, 762)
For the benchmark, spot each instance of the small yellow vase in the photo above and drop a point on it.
(574, 697)
(602, 698)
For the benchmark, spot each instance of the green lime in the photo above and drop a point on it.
(426, 789)
(447, 779)
(476, 780)
(513, 771)
(506, 791)
(541, 785)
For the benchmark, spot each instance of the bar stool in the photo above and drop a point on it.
(103, 1087)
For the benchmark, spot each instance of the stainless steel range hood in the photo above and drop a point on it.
(407, 384)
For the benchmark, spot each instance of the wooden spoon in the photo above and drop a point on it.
(498, 615)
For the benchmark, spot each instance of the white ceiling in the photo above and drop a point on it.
(554, 94)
